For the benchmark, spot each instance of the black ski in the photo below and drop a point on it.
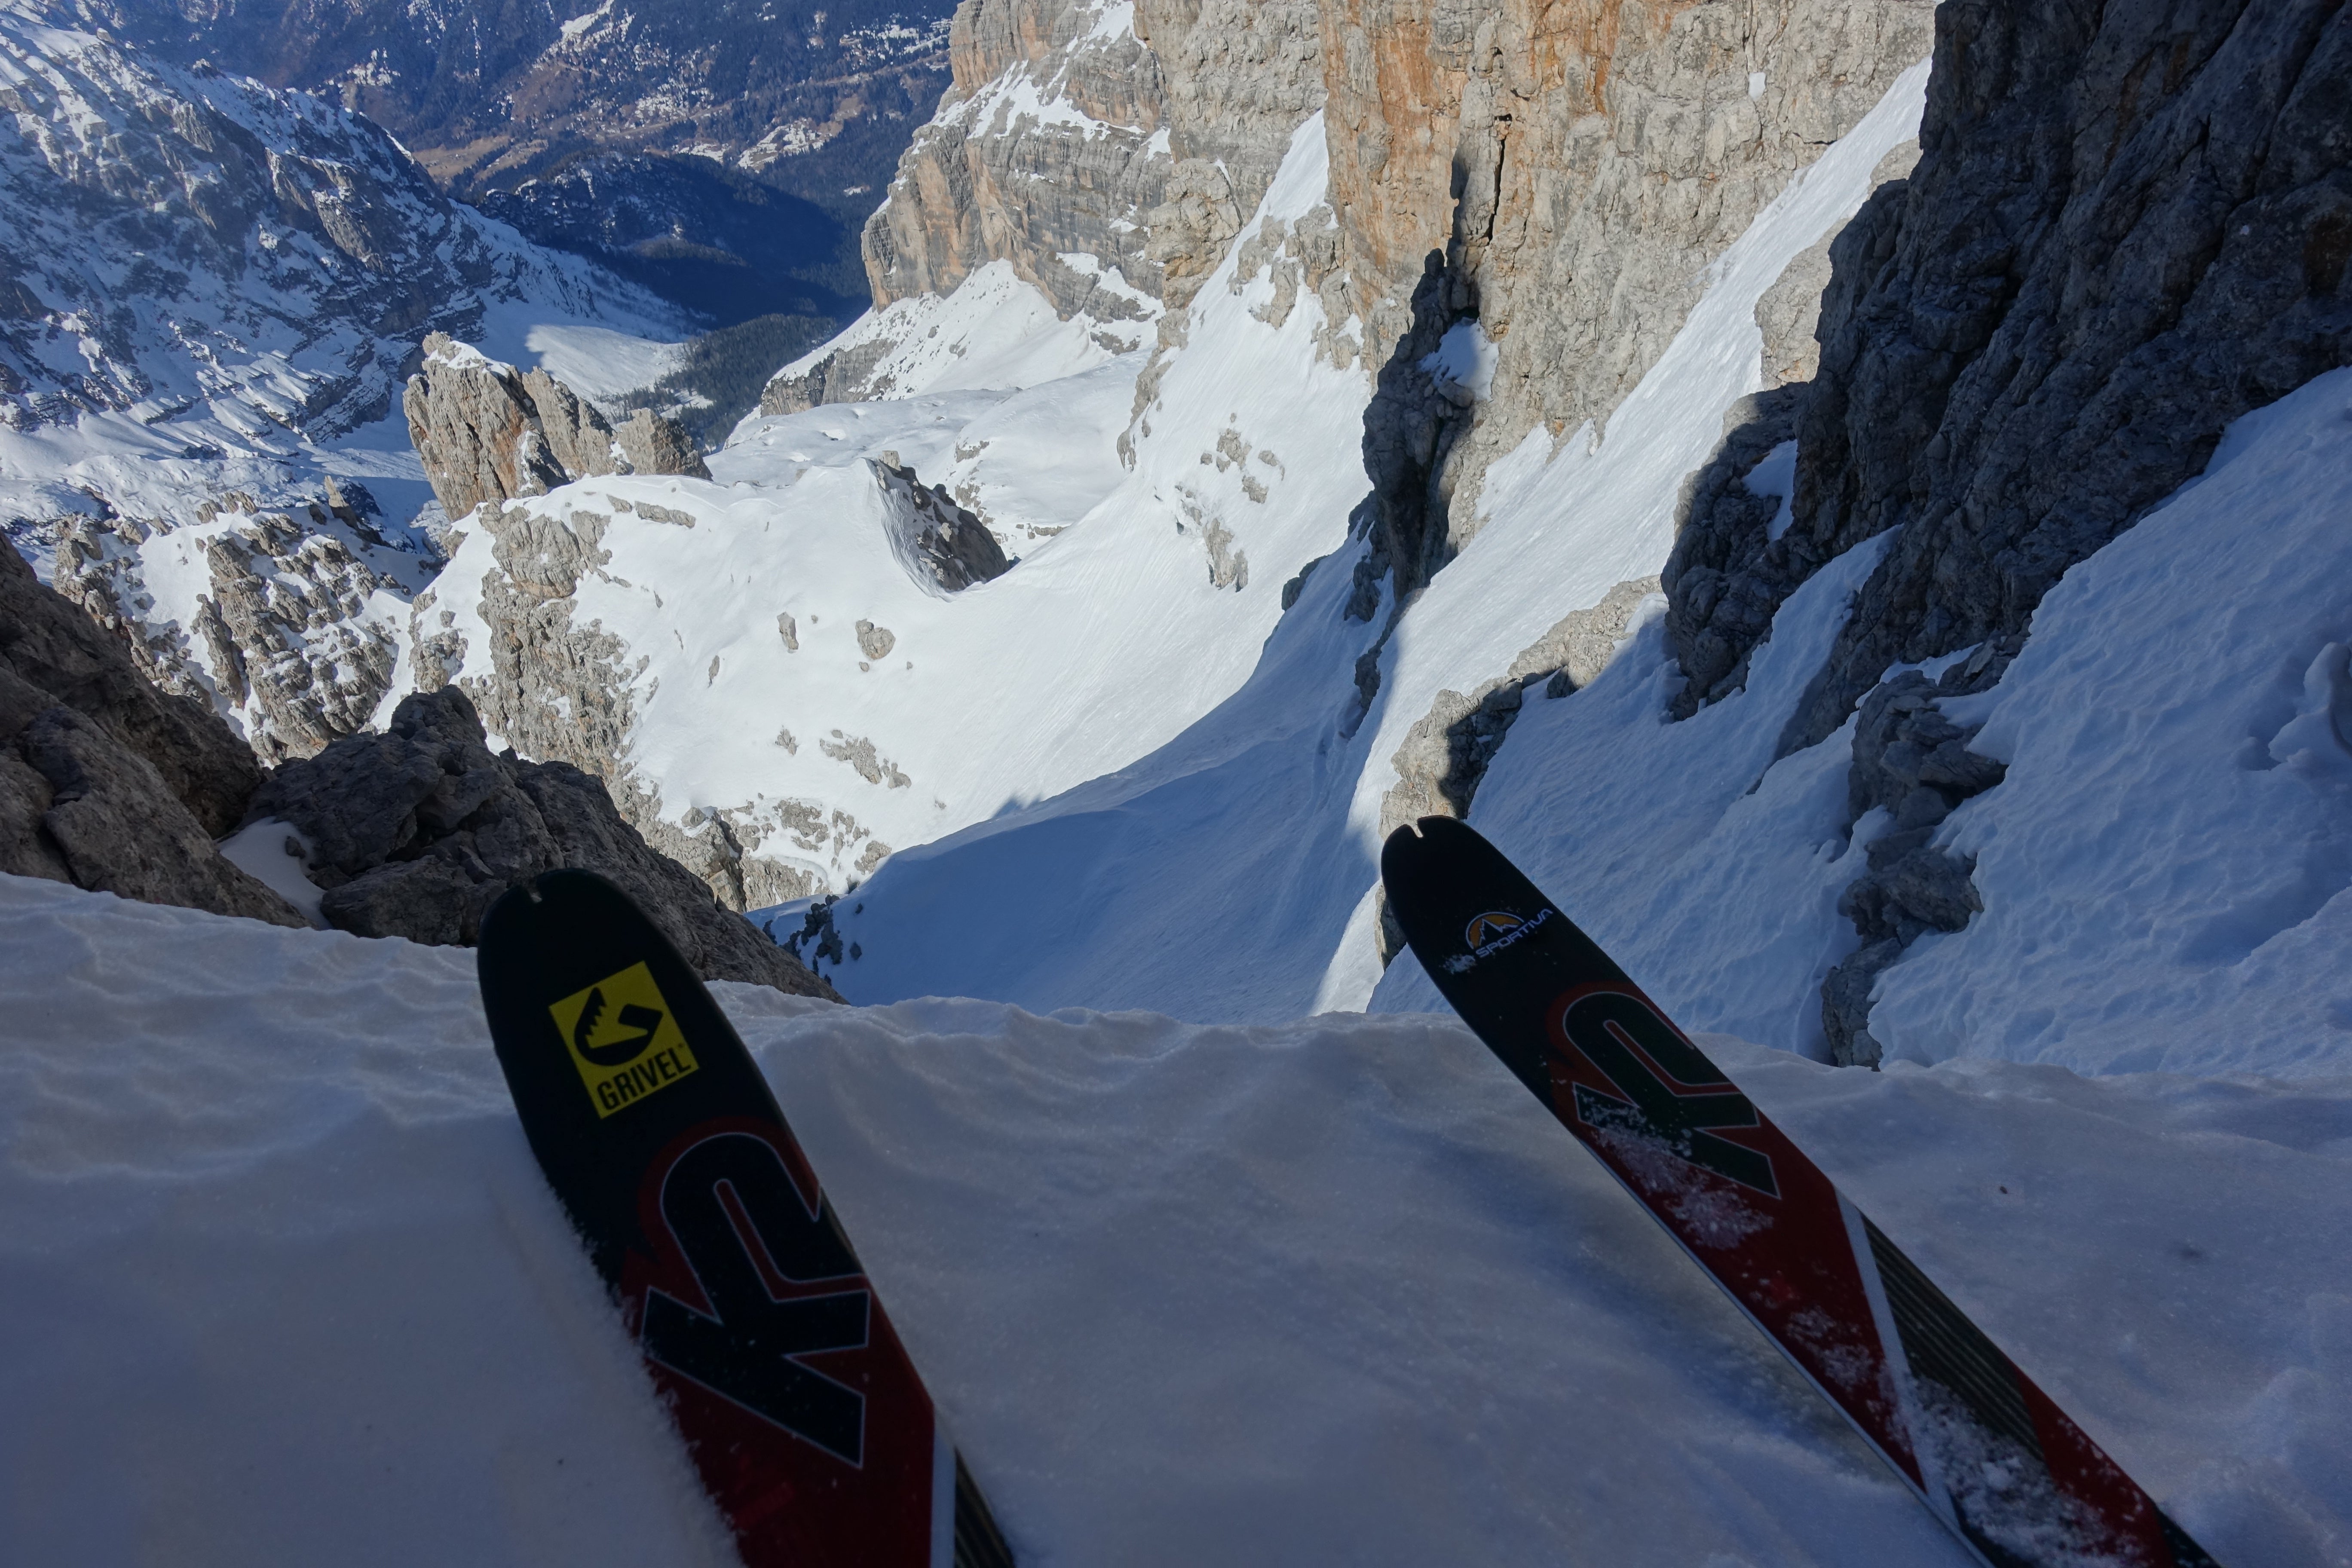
(804, 1414)
(2008, 1471)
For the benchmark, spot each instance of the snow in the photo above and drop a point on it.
(2164, 870)
(1331, 1289)
(1380, 1396)
(2167, 870)
(1467, 356)
(994, 330)
(276, 853)
(1247, 848)
(1776, 476)
(1110, 637)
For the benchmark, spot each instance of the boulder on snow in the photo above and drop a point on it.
(417, 831)
(943, 547)
(105, 781)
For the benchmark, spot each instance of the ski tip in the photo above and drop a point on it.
(1410, 845)
(979, 1543)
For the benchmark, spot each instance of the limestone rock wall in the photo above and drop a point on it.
(2127, 226)
(1238, 77)
(1140, 136)
(1043, 146)
(1562, 172)
(485, 431)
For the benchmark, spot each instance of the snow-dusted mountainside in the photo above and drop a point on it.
(1847, 493)
(217, 288)
(724, 155)
(1186, 1294)
(766, 664)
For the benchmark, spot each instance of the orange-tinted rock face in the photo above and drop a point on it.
(1043, 148)
(1575, 165)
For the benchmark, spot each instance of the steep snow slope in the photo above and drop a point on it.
(993, 331)
(2165, 870)
(1141, 599)
(1229, 875)
(285, 1285)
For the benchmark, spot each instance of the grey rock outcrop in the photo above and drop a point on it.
(2127, 227)
(1914, 764)
(106, 782)
(286, 626)
(653, 443)
(415, 831)
(52, 645)
(486, 432)
(943, 547)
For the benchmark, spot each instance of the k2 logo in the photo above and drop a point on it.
(1622, 1035)
(721, 1198)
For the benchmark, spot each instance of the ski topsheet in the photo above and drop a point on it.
(804, 1414)
(1987, 1451)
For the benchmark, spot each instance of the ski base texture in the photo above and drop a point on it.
(2005, 1470)
(805, 1415)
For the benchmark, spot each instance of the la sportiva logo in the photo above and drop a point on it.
(752, 1242)
(1488, 926)
(622, 1039)
(1490, 932)
(1668, 1094)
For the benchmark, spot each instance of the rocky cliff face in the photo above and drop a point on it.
(1043, 148)
(1562, 177)
(113, 785)
(1109, 154)
(417, 831)
(486, 432)
(105, 781)
(1237, 78)
(2126, 229)
(289, 621)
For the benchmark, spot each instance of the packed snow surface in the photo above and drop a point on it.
(285, 1284)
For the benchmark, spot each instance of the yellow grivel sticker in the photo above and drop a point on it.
(622, 1039)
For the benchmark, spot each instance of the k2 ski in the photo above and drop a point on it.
(808, 1422)
(2006, 1469)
